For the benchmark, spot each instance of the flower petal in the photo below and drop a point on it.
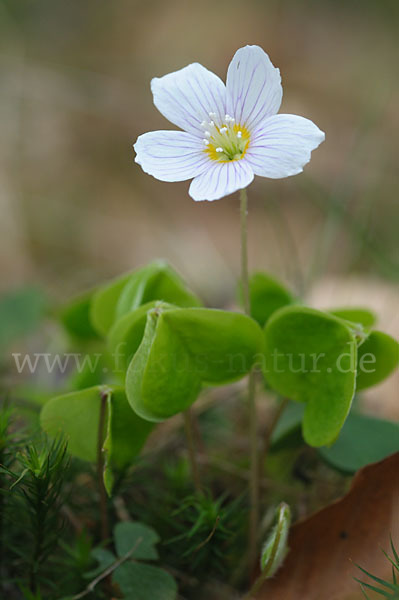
(253, 87)
(221, 179)
(282, 146)
(170, 155)
(186, 97)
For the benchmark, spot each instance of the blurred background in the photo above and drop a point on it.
(75, 94)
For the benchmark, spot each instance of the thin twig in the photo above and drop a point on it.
(210, 536)
(107, 571)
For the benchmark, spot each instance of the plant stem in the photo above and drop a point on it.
(100, 469)
(244, 250)
(252, 417)
(192, 455)
(105, 574)
(268, 435)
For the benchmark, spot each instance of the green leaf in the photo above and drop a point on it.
(363, 316)
(363, 440)
(126, 334)
(183, 348)
(378, 357)
(20, 313)
(144, 582)
(224, 344)
(161, 380)
(266, 296)
(156, 281)
(76, 417)
(75, 317)
(310, 357)
(127, 432)
(103, 304)
(128, 535)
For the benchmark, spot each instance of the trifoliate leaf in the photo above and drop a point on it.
(183, 348)
(311, 357)
(363, 316)
(76, 417)
(139, 581)
(75, 317)
(127, 332)
(266, 296)
(156, 281)
(378, 357)
(140, 537)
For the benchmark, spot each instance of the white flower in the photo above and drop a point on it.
(230, 132)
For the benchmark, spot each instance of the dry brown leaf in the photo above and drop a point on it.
(325, 547)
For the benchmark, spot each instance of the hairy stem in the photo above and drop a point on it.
(252, 417)
(244, 250)
(269, 433)
(100, 469)
(192, 454)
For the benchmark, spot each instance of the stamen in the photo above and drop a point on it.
(223, 139)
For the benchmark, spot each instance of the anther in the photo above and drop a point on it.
(239, 134)
(219, 149)
(223, 130)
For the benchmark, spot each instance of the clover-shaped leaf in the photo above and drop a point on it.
(363, 316)
(75, 317)
(76, 417)
(266, 296)
(156, 281)
(184, 348)
(311, 357)
(135, 542)
(141, 582)
(378, 357)
(140, 537)
(127, 332)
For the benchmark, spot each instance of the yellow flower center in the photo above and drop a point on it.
(226, 142)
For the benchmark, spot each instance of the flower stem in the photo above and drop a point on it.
(244, 250)
(252, 417)
(100, 469)
(189, 429)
